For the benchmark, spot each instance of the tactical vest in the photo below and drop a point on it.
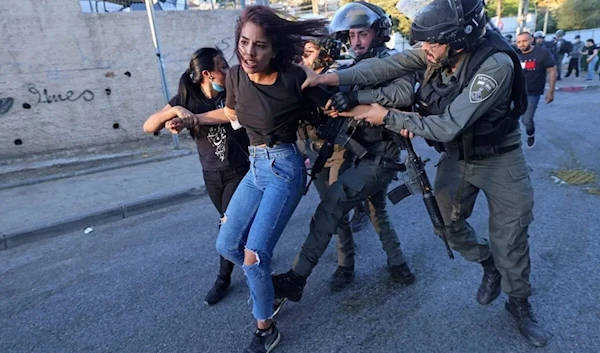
(369, 135)
(434, 97)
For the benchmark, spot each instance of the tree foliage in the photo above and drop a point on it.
(551, 26)
(509, 7)
(579, 14)
(564, 14)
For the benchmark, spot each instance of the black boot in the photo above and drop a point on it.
(289, 285)
(520, 309)
(222, 283)
(341, 278)
(401, 274)
(489, 289)
(218, 291)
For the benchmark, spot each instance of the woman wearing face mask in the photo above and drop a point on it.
(223, 151)
(265, 97)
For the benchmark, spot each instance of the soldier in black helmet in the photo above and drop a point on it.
(367, 177)
(367, 28)
(469, 105)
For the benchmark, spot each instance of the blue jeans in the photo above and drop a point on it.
(591, 67)
(257, 214)
(527, 117)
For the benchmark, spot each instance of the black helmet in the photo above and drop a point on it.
(458, 23)
(360, 15)
(328, 47)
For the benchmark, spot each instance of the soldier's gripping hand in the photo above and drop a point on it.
(343, 101)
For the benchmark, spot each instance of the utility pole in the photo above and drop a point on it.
(499, 15)
(161, 65)
(315, 7)
(499, 10)
(522, 15)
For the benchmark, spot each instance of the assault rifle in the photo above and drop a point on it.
(335, 131)
(418, 183)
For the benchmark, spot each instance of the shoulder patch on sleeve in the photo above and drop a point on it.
(482, 87)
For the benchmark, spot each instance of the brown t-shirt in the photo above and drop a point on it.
(270, 113)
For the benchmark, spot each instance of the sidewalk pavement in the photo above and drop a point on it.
(32, 212)
(576, 84)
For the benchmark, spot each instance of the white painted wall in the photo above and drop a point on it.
(58, 65)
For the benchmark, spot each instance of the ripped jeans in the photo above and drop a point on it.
(257, 214)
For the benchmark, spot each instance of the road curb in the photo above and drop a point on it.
(25, 236)
(94, 170)
(578, 88)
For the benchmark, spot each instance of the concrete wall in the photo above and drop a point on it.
(69, 79)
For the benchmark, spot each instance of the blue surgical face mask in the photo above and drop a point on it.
(217, 87)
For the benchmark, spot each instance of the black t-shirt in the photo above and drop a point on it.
(219, 146)
(270, 113)
(534, 65)
(590, 50)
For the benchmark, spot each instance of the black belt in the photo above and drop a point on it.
(497, 151)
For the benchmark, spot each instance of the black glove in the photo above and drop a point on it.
(344, 101)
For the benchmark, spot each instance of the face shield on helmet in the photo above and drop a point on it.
(458, 23)
(352, 15)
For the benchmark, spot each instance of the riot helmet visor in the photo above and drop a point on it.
(352, 15)
(434, 21)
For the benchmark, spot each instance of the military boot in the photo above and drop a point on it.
(489, 289)
(218, 291)
(289, 285)
(341, 278)
(401, 274)
(520, 309)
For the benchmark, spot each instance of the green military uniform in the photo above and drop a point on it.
(500, 171)
(368, 179)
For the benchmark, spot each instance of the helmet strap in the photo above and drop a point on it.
(448, 61)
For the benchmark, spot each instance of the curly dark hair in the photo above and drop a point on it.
(286, 36)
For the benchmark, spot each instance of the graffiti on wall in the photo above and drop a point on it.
(71, 96)
(225, 45)
(6, 104)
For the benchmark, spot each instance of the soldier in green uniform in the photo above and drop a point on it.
(365, 178)
(470, 99)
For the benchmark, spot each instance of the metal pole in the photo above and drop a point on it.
(161, 65)
(499, 13)
(520, 17)
(546, 21)
(525, 13)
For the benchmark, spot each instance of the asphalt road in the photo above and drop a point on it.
(138, 285)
